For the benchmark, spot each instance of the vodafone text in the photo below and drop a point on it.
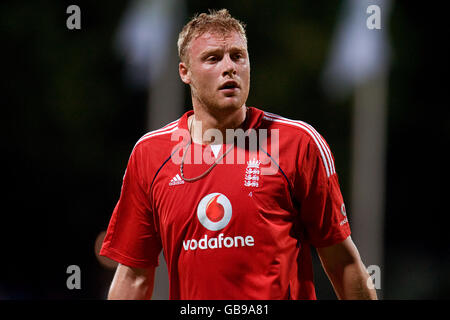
(219, 242)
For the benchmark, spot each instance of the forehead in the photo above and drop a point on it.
(213, 40)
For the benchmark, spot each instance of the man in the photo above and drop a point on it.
(229, 230)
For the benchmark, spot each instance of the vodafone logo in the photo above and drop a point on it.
(214, 211)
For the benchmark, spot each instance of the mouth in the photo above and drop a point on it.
(229, 86)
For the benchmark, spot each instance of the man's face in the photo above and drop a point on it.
(218, 71)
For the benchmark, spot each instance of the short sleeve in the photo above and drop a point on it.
(322, 217)
(131, 238)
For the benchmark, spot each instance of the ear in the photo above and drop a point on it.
(184, 73)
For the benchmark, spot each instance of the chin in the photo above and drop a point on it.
(229, 103)
(231, 106)
(224, 104)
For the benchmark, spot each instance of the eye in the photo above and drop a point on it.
(237, 56)
(212, 58)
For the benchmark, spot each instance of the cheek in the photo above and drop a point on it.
(246, 75)
(205, 80)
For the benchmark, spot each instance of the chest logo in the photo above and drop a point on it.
(252, 173)
(214, 211)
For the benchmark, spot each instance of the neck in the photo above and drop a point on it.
(203, 120)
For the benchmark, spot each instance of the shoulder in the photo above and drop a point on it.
(152, 150)
(296, 127)
(304, 135)
(158, 138)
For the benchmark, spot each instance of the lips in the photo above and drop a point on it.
(229, 85)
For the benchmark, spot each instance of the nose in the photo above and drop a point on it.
(229, 67)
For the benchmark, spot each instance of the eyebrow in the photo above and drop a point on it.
(209, 51)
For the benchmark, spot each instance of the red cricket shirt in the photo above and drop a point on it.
(244, 230)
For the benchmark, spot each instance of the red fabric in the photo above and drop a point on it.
(257, 243)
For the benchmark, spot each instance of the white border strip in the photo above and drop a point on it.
(325, 152)
(171, 127)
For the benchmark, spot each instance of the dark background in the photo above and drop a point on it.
(70, 121)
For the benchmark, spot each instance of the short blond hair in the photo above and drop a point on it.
(220, 22)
